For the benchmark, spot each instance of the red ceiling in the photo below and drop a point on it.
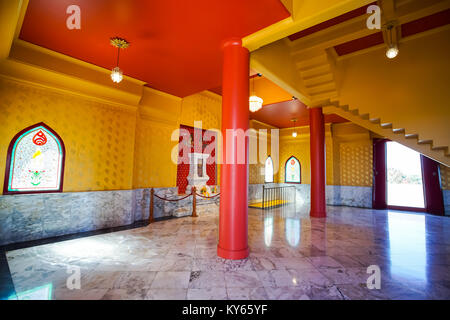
(175, 45)
(280, 114)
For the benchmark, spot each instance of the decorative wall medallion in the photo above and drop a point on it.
(39, 138)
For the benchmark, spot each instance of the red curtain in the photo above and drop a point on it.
(183, 168)
(434, 201)
(379, 196)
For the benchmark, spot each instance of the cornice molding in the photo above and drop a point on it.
(52, 88)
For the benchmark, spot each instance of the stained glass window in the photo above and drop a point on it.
(36, 161)
(292, 171)
(268, 170)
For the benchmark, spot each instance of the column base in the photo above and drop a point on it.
(318, 214)
(232, 255)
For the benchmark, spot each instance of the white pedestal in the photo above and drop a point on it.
(197, 171)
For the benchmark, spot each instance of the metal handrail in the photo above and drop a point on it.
(277, 193)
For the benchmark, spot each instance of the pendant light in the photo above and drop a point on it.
(392, 50)
(119, 43)
(294, 133)
(255, 102)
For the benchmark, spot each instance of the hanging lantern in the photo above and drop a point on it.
(116, 75)
(119, 43)
(294, 133)
(255, 102)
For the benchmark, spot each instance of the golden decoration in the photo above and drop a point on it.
(119, 43)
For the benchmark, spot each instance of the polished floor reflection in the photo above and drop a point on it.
(292, 257)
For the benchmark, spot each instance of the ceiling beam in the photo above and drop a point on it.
(304, 14)
(10, 17)
(356, 27)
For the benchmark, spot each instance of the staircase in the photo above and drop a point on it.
(320, 76)
(387, 129)
(317, 75)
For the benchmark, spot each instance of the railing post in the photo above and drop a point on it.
(194, 202)
(263, 198)
(150, 216)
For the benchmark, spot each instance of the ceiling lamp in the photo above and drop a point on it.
(294, 133)
(392, 50)
(255, 102)
(119, 43)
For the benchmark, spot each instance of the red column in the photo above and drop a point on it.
(233, 228)
(317, 147)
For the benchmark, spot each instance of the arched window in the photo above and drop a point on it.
(292, 173)
(268, 170)
(35, 161)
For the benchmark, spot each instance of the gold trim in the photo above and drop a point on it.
(119, 43)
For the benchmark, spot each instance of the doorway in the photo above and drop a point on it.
(404, 177)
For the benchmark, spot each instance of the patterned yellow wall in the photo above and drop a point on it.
(348, 155)
(445, 177)
(205, 107)
(298, 147)
(108, 147)
(353, 155)
(99, 138)
(113, 147)
(153, 164)
(256, 170)
(356, 163)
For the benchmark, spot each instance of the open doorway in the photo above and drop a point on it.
(404, 177)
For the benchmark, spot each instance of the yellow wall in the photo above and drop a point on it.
(256, 170)
(445, 177)
(411, 91)
(99, 138)
(348, 155)
(353, 156)
(300, 148)
(160, 115)
(111, 147)
(153, 165)
(108, 147)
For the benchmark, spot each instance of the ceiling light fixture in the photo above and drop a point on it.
(255, 102)
(294, 133)
(119, 43)
(392, 50)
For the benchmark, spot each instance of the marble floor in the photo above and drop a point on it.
(292, 257)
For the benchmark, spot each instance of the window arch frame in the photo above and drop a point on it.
(265, 163)
(299, 167)
(9, 156)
